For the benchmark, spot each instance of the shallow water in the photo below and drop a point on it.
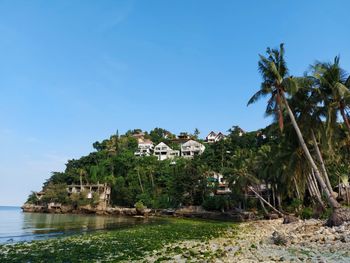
(16, 226)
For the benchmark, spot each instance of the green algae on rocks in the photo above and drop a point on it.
(112, 246)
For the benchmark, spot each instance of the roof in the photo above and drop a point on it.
(192, 143)
(140, 134)
(211, 134)
(146, 141)
(162, 144)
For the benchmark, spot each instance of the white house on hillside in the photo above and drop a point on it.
(163, 152)
(222, 185)
(145, 148)
(213, 137)
(191, 148)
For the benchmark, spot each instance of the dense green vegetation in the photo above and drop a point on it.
(157, 184)
(113, 246)
(300, 157)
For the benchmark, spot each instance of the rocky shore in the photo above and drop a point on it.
(185, 212)
(266, 241)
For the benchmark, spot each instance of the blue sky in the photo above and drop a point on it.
(73, 72)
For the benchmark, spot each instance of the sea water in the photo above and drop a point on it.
(16, 226)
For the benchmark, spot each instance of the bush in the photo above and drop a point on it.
(56, 193)
(216, 203)
(306, 213)
(294, 206)
(139, 206)
(161, 202)
(32, 198)
(145, 199)
(326, 214)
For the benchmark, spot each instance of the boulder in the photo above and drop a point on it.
(289, 219)
(279, 239)
(339, 216)
(272, 216)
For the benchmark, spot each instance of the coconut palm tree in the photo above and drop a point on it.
(277, 83)
(333, 83)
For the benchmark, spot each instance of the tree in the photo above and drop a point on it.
(196, 133)
(276, 83)
(333, 83)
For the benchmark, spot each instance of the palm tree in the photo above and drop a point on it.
(309, 114)
(276, 83)
(333, 83)
(82, 173)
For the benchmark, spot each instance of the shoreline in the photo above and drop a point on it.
(126, 245)
(194, 240)
(185, 212)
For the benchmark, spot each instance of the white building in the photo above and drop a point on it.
(103, 191)
(222, 185)
(163, 152)
(213, 137)
(145, 147)
(191, 148)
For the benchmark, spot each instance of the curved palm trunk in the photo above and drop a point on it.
(333, 203)
(320, 159)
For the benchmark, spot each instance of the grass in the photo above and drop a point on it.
(113, 246)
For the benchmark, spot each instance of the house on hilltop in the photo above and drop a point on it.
(191, 148)
(145, 147)
(163, 152)
(214, 137)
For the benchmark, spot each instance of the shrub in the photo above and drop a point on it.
(216, 203)
(326, 213)
(139, 206)
(295, 206)
(32, 198)
(145, 199)
(56, 193)
(306, 213)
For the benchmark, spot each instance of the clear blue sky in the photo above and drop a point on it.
(73, 72)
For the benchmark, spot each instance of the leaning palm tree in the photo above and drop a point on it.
(277, 83)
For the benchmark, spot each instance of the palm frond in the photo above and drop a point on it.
(264, 91)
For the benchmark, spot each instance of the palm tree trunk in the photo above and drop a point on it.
(152, 180)
(140, 182)
(315, 192)
(297, 188)
(345, 118)
(320, 159)
(263, 200)
(332, 202)
(263, 207)
(310, 188)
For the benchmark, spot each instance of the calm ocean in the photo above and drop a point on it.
(16, 226)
